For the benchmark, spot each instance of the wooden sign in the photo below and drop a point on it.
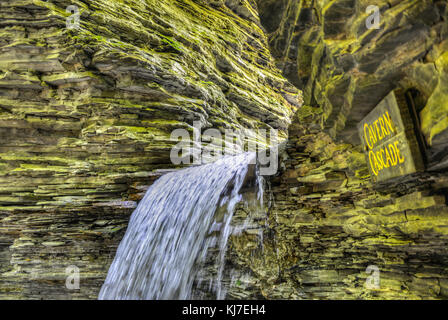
(388, 137)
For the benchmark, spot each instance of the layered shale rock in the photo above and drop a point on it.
(86, 116)
(329, 228)
(325, 48)
(327, 224)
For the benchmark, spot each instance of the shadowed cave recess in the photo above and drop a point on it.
(87, 113)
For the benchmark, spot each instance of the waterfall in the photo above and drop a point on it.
(167, 236)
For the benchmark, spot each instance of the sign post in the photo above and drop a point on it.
(389, 141)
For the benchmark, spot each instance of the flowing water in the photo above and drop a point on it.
(167, 236)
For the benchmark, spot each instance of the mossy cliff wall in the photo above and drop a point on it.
(86, 116)
(325, 48)
(327, 222)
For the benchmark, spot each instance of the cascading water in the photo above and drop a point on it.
(166, 239)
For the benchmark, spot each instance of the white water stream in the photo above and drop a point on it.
(166, 239)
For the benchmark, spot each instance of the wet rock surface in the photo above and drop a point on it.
(327, 224)
(86, 116)
(326, 49)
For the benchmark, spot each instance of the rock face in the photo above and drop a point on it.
(325, 48)
(327, 224)
(86, 117)
(329, 229)
(87, 113)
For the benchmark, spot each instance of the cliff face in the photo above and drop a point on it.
(87, 113)
(327, 222)
(86, 118)
(325, 48)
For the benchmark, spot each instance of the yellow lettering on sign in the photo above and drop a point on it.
(387, 157)
(372, 161)
(378, 130)
(401, 159)
(388, 122)
(366, 126)
(383, 128)
(394, 157)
